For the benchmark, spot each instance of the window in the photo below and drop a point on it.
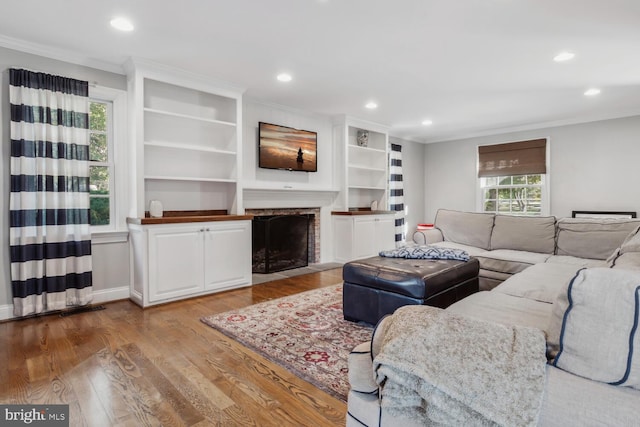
(513, 178)
(101, 169)
(108, 167)
(513, 195)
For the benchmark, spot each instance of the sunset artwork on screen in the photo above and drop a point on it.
(282, 147)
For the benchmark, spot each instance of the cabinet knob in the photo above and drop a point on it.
(207, 229)
(202, 230)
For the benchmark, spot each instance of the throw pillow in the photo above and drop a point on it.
(627, 261)
(631, 245)
(632, 242)
(426, 252)
(594, 329)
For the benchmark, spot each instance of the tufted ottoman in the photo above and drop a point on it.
(377, 286)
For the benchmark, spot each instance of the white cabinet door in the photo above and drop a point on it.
(357, 237)
(175, 262)
(227, 260)
(385, 233)
(364, 233)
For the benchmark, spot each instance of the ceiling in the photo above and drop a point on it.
(473, 67)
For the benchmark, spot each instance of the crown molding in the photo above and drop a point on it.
(58, 54)
(540, 126)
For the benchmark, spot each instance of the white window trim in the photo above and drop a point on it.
(545, 208)
(116, 231)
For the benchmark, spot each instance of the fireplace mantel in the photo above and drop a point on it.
(287, 196)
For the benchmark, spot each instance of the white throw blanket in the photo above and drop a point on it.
(438, 368)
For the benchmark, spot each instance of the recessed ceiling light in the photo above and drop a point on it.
(284, 77)
(592, 91)
(427, 122)
(564, 56)
(371, 105)
(122, 24)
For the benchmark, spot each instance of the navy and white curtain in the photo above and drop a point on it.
(49, 203)
(396, 190)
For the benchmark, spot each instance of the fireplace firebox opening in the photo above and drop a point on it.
(280, 242)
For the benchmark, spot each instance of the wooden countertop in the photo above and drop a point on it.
(362, 212)
(177, 217)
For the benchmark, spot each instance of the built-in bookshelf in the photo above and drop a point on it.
(188, 135)
(363, 168)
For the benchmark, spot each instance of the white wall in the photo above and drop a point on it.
(593, 167)
(413, 181)
(110, 261)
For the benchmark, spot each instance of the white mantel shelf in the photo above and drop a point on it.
(287, 196)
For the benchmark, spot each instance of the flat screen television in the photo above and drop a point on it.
(282, 147)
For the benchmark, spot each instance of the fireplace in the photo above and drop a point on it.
(280, 242)
(313, 231)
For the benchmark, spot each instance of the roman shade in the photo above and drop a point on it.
(513, 158)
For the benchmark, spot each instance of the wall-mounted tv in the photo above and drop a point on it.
(281, 147)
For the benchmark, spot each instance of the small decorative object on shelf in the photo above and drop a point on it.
(363, 138)
(155, 209)
(374, 205)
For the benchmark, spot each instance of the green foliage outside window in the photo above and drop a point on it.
(99, 153)
(517, 194)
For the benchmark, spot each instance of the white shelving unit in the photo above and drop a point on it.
(187, 133)
(363, 173)
(363, 170)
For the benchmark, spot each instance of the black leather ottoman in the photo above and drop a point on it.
(377, 286)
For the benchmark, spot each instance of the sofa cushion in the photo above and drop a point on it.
(533, 234)
(575, 261)
(497, 307)
(594, 327)
(468, 228)
(540, 282)
(573, 400)
(471, 250)
(591, 238)
(509, 261)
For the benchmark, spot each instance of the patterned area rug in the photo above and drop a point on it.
(305, 333)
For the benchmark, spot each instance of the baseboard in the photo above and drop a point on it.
(99, 297)
(6, 312)
(112, 294)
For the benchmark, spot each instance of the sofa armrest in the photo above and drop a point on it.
(426, 237)
(361, 376)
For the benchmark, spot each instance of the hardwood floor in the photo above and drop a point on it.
(125, 366)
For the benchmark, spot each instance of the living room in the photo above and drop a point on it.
(591, 148)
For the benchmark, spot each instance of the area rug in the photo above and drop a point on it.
(304, 333)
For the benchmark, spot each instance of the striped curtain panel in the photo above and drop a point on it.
(49, 203)
(396, 190)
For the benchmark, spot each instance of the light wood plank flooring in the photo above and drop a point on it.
(125, 366)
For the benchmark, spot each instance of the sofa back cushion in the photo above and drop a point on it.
(533, 234)
(467, 228)
(591, 238)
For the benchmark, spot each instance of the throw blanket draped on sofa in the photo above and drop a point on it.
(438, 368)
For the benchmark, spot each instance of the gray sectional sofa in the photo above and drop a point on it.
(526, 265)
(506, 245)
